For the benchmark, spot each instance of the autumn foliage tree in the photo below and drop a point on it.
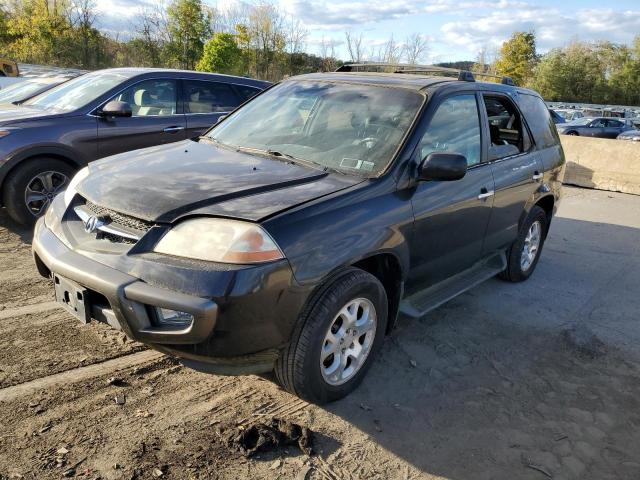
(518, 57)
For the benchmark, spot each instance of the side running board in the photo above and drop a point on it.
(420, 303)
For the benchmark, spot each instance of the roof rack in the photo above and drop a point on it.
(462, 75)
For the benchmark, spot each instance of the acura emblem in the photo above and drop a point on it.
(92, 224)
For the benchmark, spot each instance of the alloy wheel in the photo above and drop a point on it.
(531, 246)
(348, 341)
(42, 189)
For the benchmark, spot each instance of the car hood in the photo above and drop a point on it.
(10, 113)
(164, 183)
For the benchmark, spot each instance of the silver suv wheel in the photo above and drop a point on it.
(348, 341)
(531, 246)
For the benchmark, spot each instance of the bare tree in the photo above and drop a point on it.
(328, 54)
(391, 51)
(296, 35)
(82, 16)
(354, 47)
(485, 61)
(415, 48)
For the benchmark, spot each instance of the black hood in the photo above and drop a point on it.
(166, 182)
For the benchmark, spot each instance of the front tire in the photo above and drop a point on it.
(524, 253)
(336, 339)
(29, 188)
(573, 134)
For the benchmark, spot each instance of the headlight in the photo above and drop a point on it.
(219, 240)
(5, 131)
(70, 192)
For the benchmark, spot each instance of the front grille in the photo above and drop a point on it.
(116, 238)
(118, 218)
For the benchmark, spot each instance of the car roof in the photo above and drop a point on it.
(131, 72)
(410, 81)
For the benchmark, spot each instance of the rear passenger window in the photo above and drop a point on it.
(454, 128)
(247, 92)
(506, 130)
(209, 97)
(539, 121)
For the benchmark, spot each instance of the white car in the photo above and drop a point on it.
(569, 115)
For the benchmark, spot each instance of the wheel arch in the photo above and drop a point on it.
(57, 153)
(387, 268)
(547, 203)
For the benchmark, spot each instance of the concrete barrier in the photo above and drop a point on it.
(602, 164)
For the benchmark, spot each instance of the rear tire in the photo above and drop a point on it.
(520, 261)
(36, 178)
(573, 134)
(349, 317)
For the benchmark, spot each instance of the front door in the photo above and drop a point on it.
(154, 121)
(451, 217)
(596, 128)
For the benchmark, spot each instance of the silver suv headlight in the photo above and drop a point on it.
(219, 240)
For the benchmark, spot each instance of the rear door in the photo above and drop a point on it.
(613, 128)
(205, 102)
(451, 217)
(155, 118)
(516, 168)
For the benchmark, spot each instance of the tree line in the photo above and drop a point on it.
(599, 72)
(256, 40)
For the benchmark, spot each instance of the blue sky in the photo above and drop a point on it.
(455, 29)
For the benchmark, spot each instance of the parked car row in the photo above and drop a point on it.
(46, 139)
(600, 127)
(578, 122)
(289, 236)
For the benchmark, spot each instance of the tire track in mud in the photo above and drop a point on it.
(10, 393)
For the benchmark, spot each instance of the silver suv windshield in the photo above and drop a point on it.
(355, 129)
(77, 93)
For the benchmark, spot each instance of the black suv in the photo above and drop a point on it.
(291, 235)
(46, 139)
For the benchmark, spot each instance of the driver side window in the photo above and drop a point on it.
(454, 128)
(150, 98)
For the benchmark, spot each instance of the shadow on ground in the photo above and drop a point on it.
(496, 391)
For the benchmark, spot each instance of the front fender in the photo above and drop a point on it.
(323, 238)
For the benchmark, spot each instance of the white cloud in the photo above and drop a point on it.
(553, 28)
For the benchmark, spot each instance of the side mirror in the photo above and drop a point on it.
(443, 167)
(116, 109)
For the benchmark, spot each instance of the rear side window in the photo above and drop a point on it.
(539, 121)
(209, 97)
(247, 92)
(506, 130)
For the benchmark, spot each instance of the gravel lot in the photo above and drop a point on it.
(489, 386)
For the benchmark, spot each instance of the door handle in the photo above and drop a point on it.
(173, 129)
(484, 195)
(537, 176)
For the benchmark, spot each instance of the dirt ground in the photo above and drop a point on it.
(489, 386)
